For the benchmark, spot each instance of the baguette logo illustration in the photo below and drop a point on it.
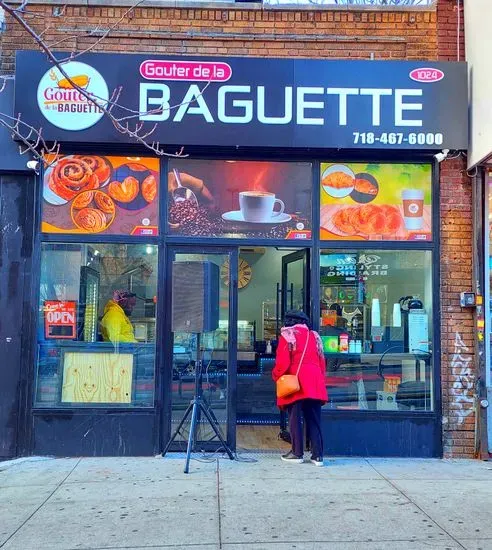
(64, 104)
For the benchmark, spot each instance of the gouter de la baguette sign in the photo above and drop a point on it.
(247, 101)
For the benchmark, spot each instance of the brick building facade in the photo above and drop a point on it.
(251, 30)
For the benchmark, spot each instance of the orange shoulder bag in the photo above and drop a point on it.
(288, 384)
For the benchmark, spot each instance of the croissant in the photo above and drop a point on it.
(149, 188)
(196, 185)
(70, 176)
(343, 220)
(98, 165)
(90, 219)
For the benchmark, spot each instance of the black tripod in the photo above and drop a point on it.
(197, 405)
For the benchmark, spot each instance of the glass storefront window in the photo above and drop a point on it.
(88, 194)
(96, 329)
(240, 199)
(376, 202)
(376, 326)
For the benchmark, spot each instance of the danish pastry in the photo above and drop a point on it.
(90, 220)
(98, 165)
(83, 199)
(70, 176)
(104, 202)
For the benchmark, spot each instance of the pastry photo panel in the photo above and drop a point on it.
(89, 194)
(376, 202)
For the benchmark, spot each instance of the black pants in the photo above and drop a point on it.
(310, 409)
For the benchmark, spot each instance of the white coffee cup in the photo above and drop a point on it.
(413, 208)
(258, 206)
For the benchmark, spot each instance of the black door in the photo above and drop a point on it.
(295, 282)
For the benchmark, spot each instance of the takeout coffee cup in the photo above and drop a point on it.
(258, 206)
(413, 208)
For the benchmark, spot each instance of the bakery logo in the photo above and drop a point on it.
(413, 208)
(65, 106)
(194, 71)
(426, 75)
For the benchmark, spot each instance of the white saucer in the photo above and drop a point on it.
(236, 216)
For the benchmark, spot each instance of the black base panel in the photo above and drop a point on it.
(127, 434)
(382, 437)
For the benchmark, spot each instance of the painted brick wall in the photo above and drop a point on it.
(412, 35)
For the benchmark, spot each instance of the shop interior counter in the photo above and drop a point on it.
(382, 381)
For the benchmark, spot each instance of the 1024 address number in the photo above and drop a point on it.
(397, 138)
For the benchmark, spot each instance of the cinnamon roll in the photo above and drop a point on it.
(70, 176)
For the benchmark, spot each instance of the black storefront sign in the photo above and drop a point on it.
(245, 102)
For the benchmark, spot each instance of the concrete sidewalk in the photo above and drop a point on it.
(349, 504)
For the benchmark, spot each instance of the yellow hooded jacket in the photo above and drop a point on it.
(115, 325)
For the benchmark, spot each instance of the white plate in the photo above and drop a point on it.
(337, 193)
(236, 216)
(49, 195)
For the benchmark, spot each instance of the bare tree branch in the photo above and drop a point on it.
(105, 34)
(109, 107)
(30, 138)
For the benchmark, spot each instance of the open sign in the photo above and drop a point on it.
(60, 319)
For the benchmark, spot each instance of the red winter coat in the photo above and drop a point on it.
(312, 373)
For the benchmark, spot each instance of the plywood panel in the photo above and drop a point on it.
(97, 378)
(260, 437)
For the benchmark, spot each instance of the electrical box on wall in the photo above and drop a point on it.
(468, 299)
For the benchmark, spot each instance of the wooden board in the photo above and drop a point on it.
(260, 437)
(97, 378)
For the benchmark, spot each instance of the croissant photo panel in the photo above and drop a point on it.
(377, 202)
(98, 194)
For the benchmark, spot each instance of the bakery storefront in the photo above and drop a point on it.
(297, 184)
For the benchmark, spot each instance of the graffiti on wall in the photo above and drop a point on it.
(462, 391)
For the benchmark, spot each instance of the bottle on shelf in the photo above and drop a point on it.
(343, 346)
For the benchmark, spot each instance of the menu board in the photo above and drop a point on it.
(99, 194)
(240, 199)
(376, 202)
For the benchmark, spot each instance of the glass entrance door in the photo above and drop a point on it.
(278, 280)
(295, 282)
(203, 335)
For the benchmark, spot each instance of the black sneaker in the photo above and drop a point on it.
(291, 457)
(316, 460)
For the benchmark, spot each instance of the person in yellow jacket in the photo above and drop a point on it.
(115, 325)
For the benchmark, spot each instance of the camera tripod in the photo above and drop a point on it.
(197, 406)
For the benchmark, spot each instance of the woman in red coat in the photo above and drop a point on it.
(295, 337)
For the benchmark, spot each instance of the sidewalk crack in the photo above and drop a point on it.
(217, 470)
(41, 505)
(402, 492)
